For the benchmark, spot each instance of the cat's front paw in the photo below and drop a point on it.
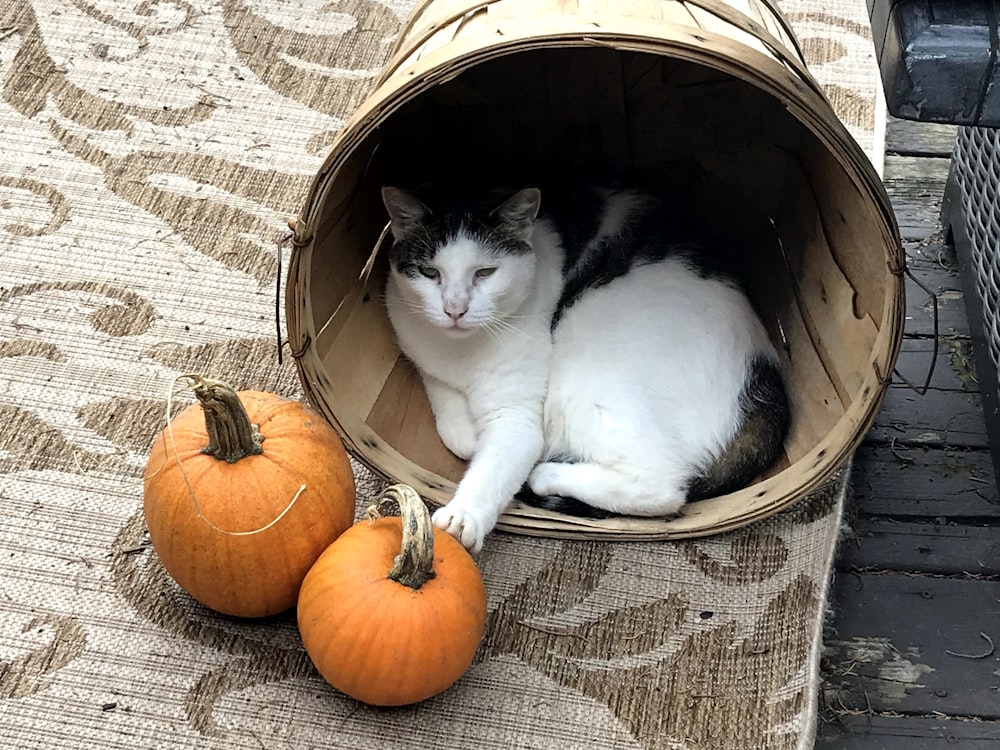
(463, 523)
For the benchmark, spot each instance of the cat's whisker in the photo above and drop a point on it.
(504, 324)
(491, 331)
(497, 326)
(409, 306)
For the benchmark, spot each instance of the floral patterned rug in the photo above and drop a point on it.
(152, 152)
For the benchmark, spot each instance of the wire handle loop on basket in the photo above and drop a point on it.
(904, 270)
(282, 241)
(296, 236)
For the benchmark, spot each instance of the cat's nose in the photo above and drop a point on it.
(455, 312)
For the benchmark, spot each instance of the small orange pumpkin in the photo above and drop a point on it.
(393, 612)
(243, 491)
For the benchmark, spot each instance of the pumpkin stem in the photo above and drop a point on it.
(230, 434)
(414, 565)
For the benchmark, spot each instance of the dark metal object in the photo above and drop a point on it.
(939, 59)
(970, 214)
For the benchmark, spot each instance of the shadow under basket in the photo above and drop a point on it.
(523, 90)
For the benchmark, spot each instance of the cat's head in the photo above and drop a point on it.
(463, 267)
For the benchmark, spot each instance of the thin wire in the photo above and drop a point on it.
(366, 271)
(277, 294)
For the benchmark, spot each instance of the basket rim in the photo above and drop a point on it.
(719, 8)
(803, 101)
(802, 97)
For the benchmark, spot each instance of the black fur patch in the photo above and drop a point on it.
(576, 214)
(449, 216)
(651, 232)
(567, 505)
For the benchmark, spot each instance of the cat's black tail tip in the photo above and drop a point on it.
(569, 506)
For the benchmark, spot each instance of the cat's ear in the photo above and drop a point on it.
(405, 211)
(517, 214)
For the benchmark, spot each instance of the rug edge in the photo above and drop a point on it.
(810, 715)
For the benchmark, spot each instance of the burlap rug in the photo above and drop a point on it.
(151, 152)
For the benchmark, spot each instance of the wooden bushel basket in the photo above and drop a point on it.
(515, 87)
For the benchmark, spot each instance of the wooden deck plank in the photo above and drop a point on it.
(864, 732)
(935, 267)
(893, 634)
(954, 369)
(938, 418)
(915, 186)
(944, 548)
(916, 179)
(950, 413)
(925, 501)
(916, 482)
(909, 138)
(914, 220)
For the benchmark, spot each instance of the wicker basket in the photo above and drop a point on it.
(523, 87)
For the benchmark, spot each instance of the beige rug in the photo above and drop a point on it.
(150, 154)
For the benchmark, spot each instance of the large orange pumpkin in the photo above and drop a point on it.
(242, 493)
(393, 612)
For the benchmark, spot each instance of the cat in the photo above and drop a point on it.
(582, 352)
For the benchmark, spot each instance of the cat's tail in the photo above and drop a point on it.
(570, 506)
(764, 423)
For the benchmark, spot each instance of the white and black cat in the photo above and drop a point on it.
(585, 351)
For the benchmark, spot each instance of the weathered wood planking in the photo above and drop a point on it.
(941, 548)
(861, 732)
(918, 482)
(936, 268)
(910, 177)
(926, 460)
(916, 186)
(908, 138)
(933, 253)
(938, 418)
(892, 636)
(954, 369)
(948, 414)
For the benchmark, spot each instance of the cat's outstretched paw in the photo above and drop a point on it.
(463, 524)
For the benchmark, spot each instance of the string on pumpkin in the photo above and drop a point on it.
(191, 381)
(171, 393)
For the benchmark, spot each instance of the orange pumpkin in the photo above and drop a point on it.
(242, 493)
(393, 612)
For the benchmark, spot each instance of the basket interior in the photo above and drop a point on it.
(813, 260)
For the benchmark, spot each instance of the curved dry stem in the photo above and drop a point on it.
(414, 565)
(231, 437)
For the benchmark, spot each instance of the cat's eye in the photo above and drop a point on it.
(482, 273)
(429, 271)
